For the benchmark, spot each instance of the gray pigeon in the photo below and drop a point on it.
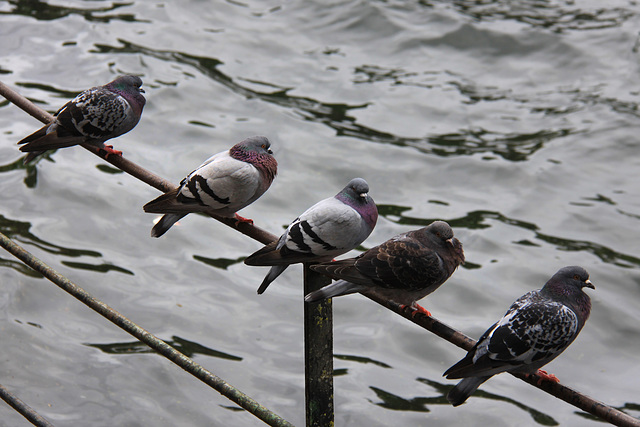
(405, 268)
(94, 116)
(327, 229)
(535, 330)
(222, 185)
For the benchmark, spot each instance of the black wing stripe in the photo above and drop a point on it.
(315, 237)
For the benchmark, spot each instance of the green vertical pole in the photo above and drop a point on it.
(318, 354)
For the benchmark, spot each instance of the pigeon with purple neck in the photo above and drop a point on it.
(225, 183)
(94, 116)
(535, 330)
(327, 229)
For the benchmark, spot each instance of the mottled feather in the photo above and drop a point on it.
(405, 268)
(536, 329)
(94, 116)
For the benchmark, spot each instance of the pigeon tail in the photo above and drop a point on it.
(165, 224)
(465, 388)
(341, 287)
(273, 273)
(32, 155)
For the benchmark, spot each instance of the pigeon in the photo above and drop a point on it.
(405, 268)
(222, 185)
(94, 116)
(535, 330)
(329, 228)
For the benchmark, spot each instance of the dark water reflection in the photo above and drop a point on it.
(31, 172)
(44, 11)
(557, 16)
(478, 220)
(184, 346)
(466, 142)
(421, 404)
(222, 263)
(19, 231)
(360, 359)
(539, 417)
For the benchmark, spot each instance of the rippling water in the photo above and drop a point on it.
(516, 122)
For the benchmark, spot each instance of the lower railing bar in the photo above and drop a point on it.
(146, 337)
(24, 409)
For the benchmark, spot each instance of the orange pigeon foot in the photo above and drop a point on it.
(243, 219)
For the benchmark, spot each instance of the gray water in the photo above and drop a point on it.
(516, 122)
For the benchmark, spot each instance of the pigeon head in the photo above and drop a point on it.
(441, 233)
(566, 286)
(257, 151)
(356, 195)
(440, 230)
(129, 87)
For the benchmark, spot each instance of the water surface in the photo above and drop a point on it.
(516, 122)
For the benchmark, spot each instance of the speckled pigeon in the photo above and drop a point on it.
(94, 116)
(535, 330)
(329, 228)
(405, 268)
(222, 185)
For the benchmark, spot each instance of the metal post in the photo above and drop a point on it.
(318, 354)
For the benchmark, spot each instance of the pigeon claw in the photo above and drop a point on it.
(544, 376)
(110, 151)
(416, 308)
(243, 219)
(420, 309)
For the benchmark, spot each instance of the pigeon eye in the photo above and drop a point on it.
(264, 146)
(576, 277)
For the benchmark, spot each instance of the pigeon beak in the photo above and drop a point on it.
(364, 195)
(269, 151)
(588, 284)
(450, 241)
(141, 90)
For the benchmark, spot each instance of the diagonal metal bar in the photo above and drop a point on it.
(146, 337)
(24, 409)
